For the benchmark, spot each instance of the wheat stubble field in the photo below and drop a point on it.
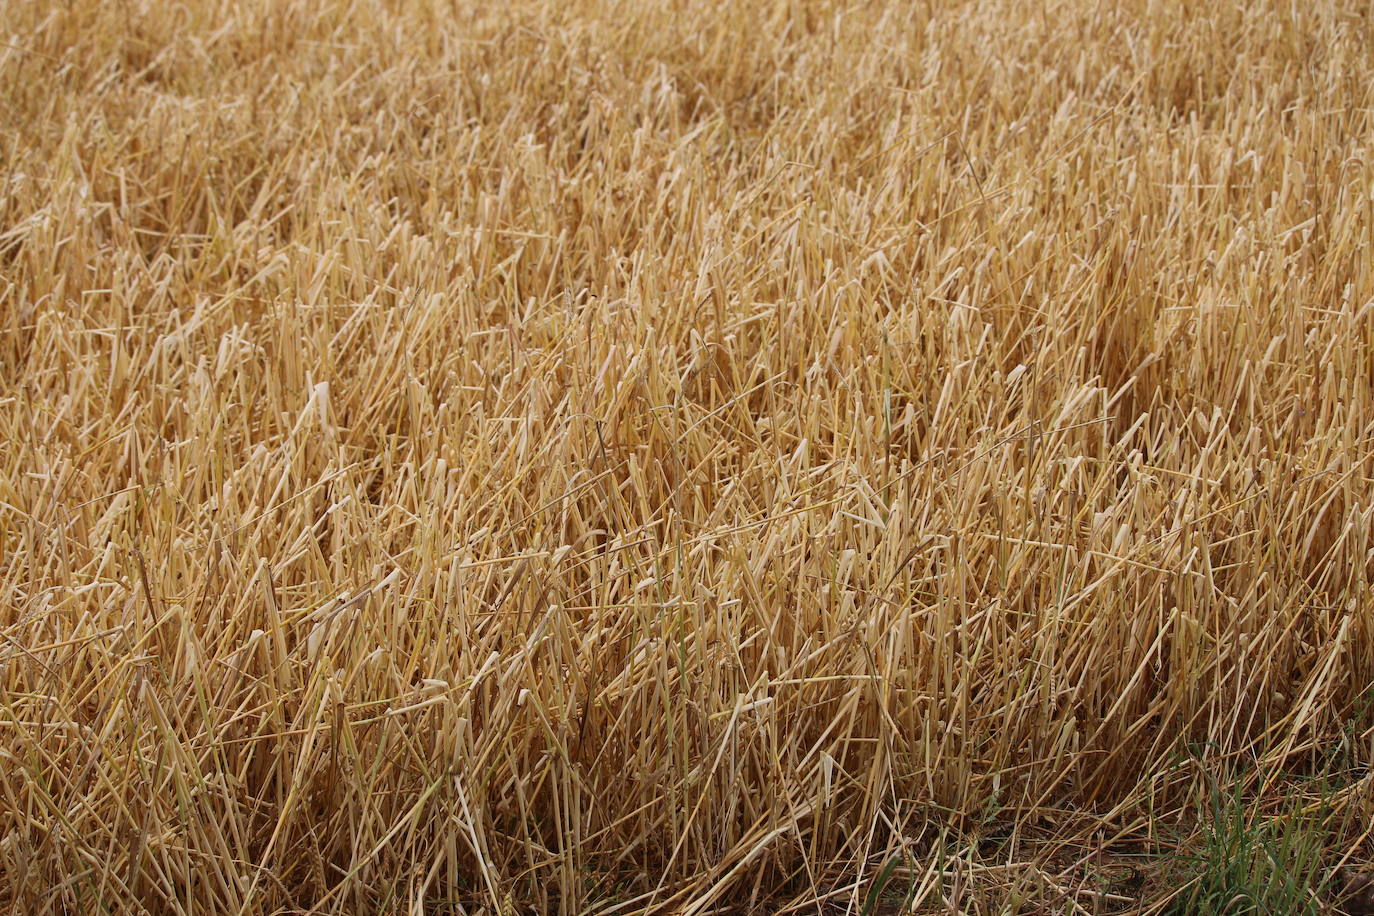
(685, 457)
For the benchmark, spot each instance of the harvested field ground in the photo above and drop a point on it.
(685, 456)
